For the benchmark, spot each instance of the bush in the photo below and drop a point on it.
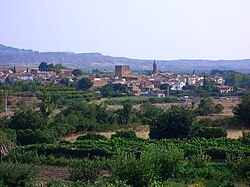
(176, 122)
(28, 136)
(207, 106)
(135, 172)
(226, 122)
(240, 166)
(213, 132)
(91, 136)
(246, 137)
(155, 163)
(206, 122)
(218, 108)
(199, 160)
(17, 174)
(125, 134)
(85, 170)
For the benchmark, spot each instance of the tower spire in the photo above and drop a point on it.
(154, 67)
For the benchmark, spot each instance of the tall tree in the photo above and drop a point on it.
(46, 106)
(176, 122)
(43, 66)
(76, 72)
(207, 106)
(125, 114)
(84, 84)
(242, 110)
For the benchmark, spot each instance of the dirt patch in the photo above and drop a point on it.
(144, 133)
(48, 173)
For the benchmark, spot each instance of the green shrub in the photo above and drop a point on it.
(125, 134)
(240, 166)
(226, 122)
(86, 170)
(135, 172)
(168, 160)
(28, 136)
(246, 137)
(200, 159)
(17, 174)
(218, 108)
(156, 162)
(91, 136)
(213, 132)
(206, 122)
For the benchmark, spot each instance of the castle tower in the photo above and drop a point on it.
(154, 68)
(122, 71)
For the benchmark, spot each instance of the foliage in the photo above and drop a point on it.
(65, 81)
(84, 84)
(83, 116)
(200, 159)
(212, 132)
(218, 108)
(125, 134)
(17, 174)
(155, 163)
(76, 72)
(176, 122)
(242, 110)
(28, 119)
(28, 136)
(91, 136)
(85, 170)
(206, 122)
(246, 137)
(207, 106)
(113, 90)
(46, 106)
(227, 122)
(149, 113)
(135, 172)
(44, 66)
(240, 165)
(164, 87)
(125, 114)
(58, 66)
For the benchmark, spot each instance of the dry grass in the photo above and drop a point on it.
(144, 133)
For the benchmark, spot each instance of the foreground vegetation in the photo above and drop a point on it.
(180, 150)
(213, 162)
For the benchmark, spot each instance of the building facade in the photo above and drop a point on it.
(122, 71)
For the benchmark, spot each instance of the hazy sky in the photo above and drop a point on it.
(160, 29)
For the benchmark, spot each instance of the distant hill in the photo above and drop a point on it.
(15, 56)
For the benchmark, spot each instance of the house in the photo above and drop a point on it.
(99, 82)
(178, 86)
(225, 89)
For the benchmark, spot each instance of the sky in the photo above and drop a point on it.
(142, 29)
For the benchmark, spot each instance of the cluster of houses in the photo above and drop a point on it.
(138, 84)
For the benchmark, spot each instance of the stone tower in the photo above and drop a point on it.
(154, 68)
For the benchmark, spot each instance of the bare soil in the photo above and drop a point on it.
(48, 173)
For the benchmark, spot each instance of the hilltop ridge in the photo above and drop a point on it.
(15, 56)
